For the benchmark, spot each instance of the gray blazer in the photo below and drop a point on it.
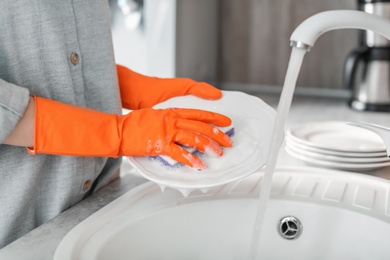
(37, 39)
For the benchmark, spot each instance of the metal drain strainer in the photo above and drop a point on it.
(290, 227)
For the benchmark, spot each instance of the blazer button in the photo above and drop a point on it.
(74, 58)
(87, 185)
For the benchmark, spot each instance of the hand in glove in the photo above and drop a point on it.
(62, 129)
(139, 91)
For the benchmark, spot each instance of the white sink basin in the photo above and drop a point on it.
(343, 216)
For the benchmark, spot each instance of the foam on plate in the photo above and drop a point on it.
(171, 163)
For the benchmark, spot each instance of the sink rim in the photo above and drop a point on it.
(298, 183)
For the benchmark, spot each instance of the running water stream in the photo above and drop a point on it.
(284, 105)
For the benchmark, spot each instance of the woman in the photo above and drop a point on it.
(61, 95)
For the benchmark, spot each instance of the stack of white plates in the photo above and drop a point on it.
(336, 145)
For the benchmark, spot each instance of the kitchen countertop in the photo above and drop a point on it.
(41, 243)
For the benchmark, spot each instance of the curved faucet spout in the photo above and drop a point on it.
(313, 27)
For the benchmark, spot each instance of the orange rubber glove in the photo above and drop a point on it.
(139, 91)
(62, 129)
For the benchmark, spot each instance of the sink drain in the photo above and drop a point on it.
(290, 227)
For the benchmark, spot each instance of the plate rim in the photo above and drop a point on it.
(335, 158)
(334, 153)
(291, 133)
(336, 165)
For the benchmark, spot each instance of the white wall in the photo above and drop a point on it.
(177, 39)
(150, 49)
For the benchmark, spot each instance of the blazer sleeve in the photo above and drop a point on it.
(13, 103)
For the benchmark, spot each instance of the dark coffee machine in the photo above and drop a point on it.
(367, 68)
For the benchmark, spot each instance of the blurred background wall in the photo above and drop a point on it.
(234, 44)
(254, 43)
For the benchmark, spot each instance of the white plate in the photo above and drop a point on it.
(291, 141)
(332, 158)
(337, 136)
(253, 121)
(360, 167)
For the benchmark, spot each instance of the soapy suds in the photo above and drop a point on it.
(158, 146)
(210, 151)
(195, 164)
(284, 105)
(149, 146)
